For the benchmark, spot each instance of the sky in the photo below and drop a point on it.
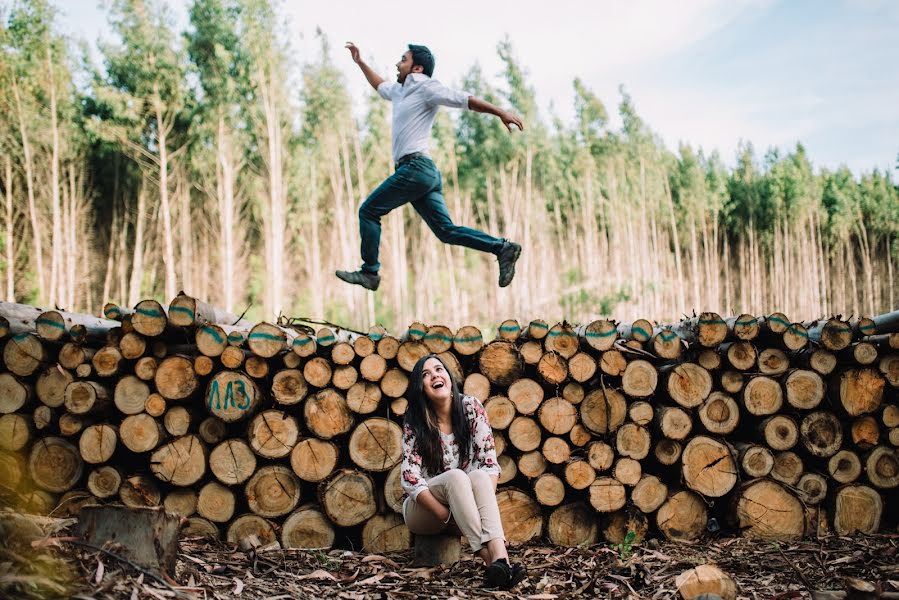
(707, 73)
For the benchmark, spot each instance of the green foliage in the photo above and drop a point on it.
(626, 548)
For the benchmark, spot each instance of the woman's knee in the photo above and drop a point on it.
(479, 478)
(457, 477)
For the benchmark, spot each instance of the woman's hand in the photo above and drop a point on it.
(444, 514)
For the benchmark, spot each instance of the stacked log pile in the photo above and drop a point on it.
(763, 426)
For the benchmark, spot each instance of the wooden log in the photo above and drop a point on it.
(86, 397)
(762, 396)
(603, 410)
(633, 441)
(16, 432)
(756, 461)
(342, 353)
(148, 318)
(211, 340)
(556, 415)
(572, 525)
(549, 490)
(833, 334)
(861, 390)
(376, 444)
(476, 385)
(821, 433)
(500, 412)
(626, 526)
(388, 347)
(812, 488)
(742, 356)
(500, 363)
(788, 467)
(612, 362)
(307, 528)
(203, 365)
(599, 335)
(131, 395)
(641, 412)
(317, 372)
(682, 517)
(795, 337)
(140, 433)
(882, 467)
(175, 378)
(640, 379)
(889, 366)
(552, 368)
(251, 530)
(409, 353)
(232, 357)
(688, 384)
(373, 367)
(216, 502)
(267, 340)
(364, 397)
(562, 339)
(709, 359)
(628, 471)
(148, 537)
(232, 462)
(24, 354)
(865, 432)
(155, 405)
(434, 550)
(468, 341)
(231, 396)
(54, 465)
(304, 344)
(600, 455)
(394, 383)
(667, 451)
(393, 489)
(439, 338)
(804, 389)
(15, 395)
(673, 422)
(348, 497)
(607, 494)
(525, 434)
(773, 361)
(256, 367)
(719, 414)
(509, 470)
(665, 343)
(890, 415)
(640, 330)
(272, 491)
(649, 494)
(857, 509)
(509, 330)
(327, 414)
(780, 432)
(53, 325)
(13, 470)
(145, 368)
(862, 353)
(581, 367)
(844, 466)
(71, 355)
(132, 345)
(532, 464)
(187, 311)
(520, 515)
(556, 450)
(708, 467)
(573, 392)
(181, 462)
(104, 481)
(44, 418)
(578, 474)
(704, 582)
(745, 327)
(273, 433)
(70, 424)
(732, 382)
(291, 360)
(181, 501)
(531, 352)
(821, 361)
(50, 387)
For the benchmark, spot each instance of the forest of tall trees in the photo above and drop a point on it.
(218, 162)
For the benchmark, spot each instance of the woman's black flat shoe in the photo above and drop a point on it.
(518, 574)
(498, 575)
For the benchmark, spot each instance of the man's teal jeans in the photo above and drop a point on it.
(417, 181)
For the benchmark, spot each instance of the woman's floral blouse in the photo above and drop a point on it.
(483, 450)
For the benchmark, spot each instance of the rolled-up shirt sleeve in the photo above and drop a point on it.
(386, 89)
(441, 95)
(411, 475)
(483, 445)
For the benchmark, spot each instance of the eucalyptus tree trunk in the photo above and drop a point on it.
(171, 281)
(137, 262)
(9, 254)
(29, 186)
(56, 290)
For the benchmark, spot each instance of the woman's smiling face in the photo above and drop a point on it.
(435, 380)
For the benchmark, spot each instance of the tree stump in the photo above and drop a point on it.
(148, 536)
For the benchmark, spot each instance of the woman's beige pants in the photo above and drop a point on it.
(472, 504)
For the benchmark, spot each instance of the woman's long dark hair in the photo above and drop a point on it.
(422, 419)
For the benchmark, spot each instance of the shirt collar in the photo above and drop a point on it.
(416, 77)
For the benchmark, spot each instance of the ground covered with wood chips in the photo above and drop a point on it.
(213, 570)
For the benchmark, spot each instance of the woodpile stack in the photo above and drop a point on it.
(608, 431)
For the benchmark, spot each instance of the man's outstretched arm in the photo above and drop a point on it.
(373, 78)
(508, 118)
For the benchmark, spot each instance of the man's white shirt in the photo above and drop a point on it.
(415, 104)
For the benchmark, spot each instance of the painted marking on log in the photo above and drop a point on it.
(561, 332)
(538, 325)
(211, 332)
(869, 327)
(215, 395)
(301, 341)
(468, 339)
(712, 322)
(438, 336)
(183, 309)
(416, 332)
(149, 312)
(271, 337)
(797, 331)
(376, 336)
(112, 312)
(779, 320)
(236, 337)
(595, 334)
(51, 323)
(752, 321)
(510, 328)
(639, 330)
(326, 339)
(838, 329)
(20, 336)
(667, 337)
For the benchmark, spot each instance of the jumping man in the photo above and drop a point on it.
(416, 98)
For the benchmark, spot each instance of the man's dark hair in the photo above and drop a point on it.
(422, 56)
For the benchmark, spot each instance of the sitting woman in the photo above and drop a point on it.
(450, 469)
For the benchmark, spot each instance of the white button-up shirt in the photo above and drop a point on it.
(415, 104)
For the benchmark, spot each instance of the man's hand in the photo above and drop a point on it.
(354, 52)
(510, 119)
